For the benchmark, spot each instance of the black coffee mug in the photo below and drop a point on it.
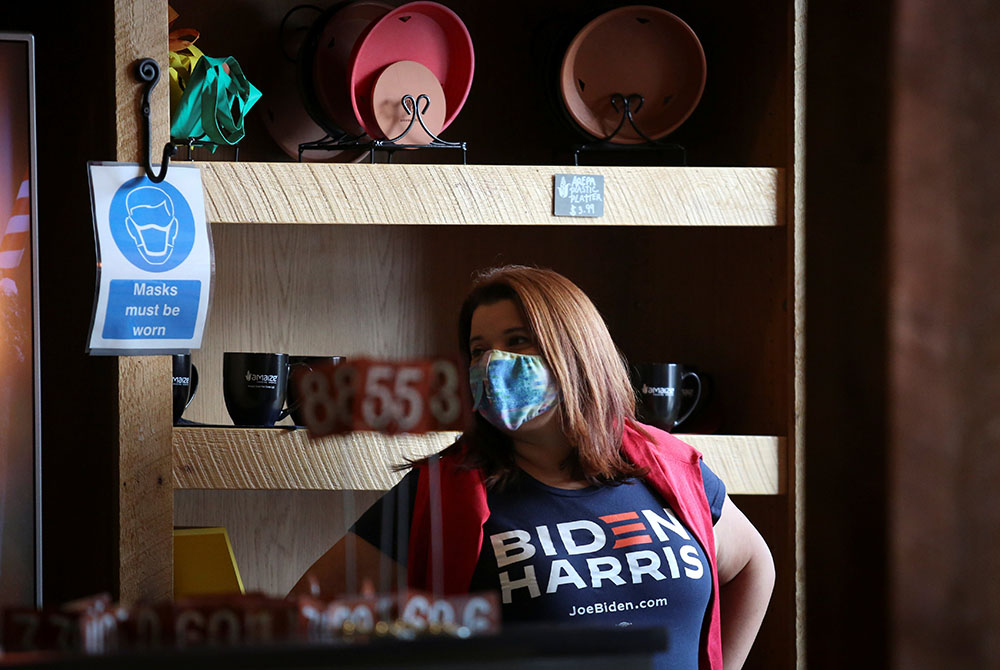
(185, 381)
(660, 387)
(297, 366)
(254, 386)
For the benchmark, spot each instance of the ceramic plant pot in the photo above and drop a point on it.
(407, 77)
(633, 50)
(324, 73)
(425, 32)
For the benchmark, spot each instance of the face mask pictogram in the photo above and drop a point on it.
(151, 223)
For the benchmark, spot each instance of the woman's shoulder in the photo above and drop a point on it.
(643, 438)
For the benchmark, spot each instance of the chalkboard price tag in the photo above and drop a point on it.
(578, 195)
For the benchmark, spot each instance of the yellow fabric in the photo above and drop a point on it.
(181, 66)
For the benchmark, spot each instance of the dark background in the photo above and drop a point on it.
(79, 392)
(856, 418)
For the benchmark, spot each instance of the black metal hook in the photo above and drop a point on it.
(628, 106)
(415, 108)
(627, 113)
(148, 71)
(410, 105)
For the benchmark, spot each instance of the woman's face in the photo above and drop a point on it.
(501, 325)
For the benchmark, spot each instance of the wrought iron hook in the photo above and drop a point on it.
(627, 111)
(628, 106)
(148, 71)
(416, 115)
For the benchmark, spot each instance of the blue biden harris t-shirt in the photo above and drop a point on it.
(598, 556)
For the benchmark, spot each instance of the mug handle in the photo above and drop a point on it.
(194, 385)
(294, 406)
(697, 397)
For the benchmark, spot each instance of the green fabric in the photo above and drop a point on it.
(214, 103)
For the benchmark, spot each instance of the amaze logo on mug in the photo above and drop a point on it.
(664, 402)
(253, 386)
(256, 380)
(659, 391)
(185, 383)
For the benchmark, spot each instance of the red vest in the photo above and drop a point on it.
(673, 472)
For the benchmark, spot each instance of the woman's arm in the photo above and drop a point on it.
(372, 569)
(746, 578)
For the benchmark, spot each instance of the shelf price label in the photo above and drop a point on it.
(580, 195)
(391, 397)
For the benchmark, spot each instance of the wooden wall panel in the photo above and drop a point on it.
(795, 533)
(144, 439)
(709, 298)
(140, 32)
(944, 337)
(276, 535)
(300, 291)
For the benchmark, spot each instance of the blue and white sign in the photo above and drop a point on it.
(155, 260)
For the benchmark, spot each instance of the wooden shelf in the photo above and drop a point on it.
(485, 195)
(287, 459)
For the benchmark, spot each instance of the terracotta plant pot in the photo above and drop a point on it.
(633, 50)
(282, 108)
(326, 60)
(425, 32)
(407, 77)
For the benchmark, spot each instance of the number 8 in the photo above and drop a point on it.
(343, 381)
(318, 408)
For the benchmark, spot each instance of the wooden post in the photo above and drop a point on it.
(944, 336)
(145, 489)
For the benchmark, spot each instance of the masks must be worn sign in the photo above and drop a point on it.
(155, 267)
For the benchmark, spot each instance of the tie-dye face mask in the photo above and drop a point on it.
(510, 389)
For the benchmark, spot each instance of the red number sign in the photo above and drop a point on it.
(384, 396)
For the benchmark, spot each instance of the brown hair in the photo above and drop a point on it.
(597, 399)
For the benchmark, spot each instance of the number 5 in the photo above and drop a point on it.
(408, 395)
(377, 408)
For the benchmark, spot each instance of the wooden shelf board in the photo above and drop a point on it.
(748, 464)
(286, 459)
(485, 194)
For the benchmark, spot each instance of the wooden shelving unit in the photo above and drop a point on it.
(269, 459)
(693, 264)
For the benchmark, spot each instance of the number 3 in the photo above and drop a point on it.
(445, 404)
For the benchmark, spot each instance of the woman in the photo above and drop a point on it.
(560, 500)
